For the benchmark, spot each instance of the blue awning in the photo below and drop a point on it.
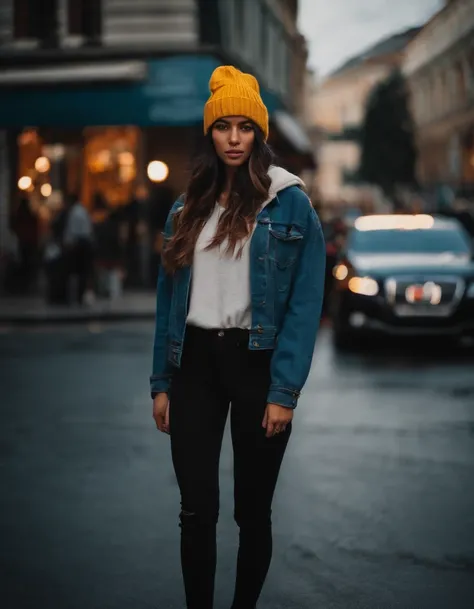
(157, 92)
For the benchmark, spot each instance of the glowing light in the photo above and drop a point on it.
(340, 272)
(366, 286)
(25, 183)
(158, 171)
(126, 158)
(395, 222)
(127, 173)
(42, 164)
(46, 190)
(104, 158)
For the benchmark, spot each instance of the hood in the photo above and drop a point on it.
(281, 179)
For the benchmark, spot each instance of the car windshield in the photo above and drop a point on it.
(428, 241)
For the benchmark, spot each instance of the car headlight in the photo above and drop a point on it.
(366, 286)
(340, 272)
(470, 291)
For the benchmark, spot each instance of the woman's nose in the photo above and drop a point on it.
(234, 136)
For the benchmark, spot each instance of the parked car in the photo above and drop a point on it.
(404, 275)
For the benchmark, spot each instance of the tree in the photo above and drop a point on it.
(387, 137)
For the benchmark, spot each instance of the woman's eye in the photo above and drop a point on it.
(247, 128)
(221, 127)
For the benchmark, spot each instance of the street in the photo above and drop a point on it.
(374, 507)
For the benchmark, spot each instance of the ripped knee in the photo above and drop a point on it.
(201, 519)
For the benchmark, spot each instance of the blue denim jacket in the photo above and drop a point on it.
(287, 269)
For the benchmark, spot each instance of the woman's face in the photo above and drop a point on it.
(233, 138)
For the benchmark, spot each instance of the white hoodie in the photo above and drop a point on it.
(281, 179)
(220, 290)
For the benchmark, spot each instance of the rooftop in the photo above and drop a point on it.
(387, 46)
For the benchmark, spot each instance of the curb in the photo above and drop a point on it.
(75, 318)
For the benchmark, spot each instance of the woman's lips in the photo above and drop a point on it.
(234, 154)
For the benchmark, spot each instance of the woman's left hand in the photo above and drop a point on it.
(276, 419)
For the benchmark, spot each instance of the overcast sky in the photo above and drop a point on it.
(339, 29)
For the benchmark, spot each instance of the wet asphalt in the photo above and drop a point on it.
(374, 507)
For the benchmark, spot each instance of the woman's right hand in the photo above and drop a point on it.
(161, 412)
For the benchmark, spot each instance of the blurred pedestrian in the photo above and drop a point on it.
(26, 228)
(100, 223)
(246, 335)
(132, 213)
(78, 240)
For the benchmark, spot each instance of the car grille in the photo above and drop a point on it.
(430, 297)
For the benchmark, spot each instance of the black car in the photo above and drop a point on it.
(404, 275)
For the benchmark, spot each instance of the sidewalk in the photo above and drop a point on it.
(34, 310)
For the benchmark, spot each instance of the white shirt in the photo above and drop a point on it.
(220, 290)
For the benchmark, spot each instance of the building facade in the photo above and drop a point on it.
(439, 66)
(94, 91)
(338, 110)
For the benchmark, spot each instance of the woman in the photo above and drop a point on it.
(238, 306)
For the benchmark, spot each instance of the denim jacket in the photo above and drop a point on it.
(287, 269)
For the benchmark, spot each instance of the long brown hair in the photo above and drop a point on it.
(250, 188)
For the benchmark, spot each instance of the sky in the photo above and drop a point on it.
(339, 29)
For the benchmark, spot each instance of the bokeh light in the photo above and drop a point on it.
(158, 171)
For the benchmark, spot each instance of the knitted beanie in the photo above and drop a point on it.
(234, 93)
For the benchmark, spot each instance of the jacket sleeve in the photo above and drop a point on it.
(293, 354)
(161, 371)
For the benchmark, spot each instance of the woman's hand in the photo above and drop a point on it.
(161, 412)
(276, 419)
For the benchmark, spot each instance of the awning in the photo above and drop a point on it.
(168, 91)
(163, 92)
(291, 141)
(293, 131)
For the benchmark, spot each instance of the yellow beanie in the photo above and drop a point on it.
(234, 93)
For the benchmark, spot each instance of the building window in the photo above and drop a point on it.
(22, 18)
(84, 18)
(460, 84)
(470, 68)
(36, 19)
(283, 65)
(75, 17)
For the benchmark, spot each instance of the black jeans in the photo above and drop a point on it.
(218, 369)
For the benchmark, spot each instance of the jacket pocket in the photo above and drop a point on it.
(285, 241)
